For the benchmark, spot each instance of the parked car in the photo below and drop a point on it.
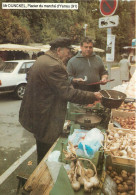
(13, 76)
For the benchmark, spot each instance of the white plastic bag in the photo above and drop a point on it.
(92, 142)
(77, 136)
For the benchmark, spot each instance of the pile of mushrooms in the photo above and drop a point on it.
(121, 143)
(78, 174)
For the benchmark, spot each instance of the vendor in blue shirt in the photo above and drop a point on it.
(86, 67)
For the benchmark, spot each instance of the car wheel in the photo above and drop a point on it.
(19, 92)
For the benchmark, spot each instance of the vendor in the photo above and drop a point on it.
(48, 90)
(86, 64)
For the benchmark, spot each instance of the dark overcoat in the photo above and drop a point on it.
(44, 104)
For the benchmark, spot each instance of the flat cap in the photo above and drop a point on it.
(61, 42)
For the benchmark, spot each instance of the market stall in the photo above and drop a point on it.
(96, 152)
(15, 51)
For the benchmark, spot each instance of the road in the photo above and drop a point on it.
(17, 146)
(14, 143)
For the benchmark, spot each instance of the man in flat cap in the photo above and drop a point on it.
(48, 90)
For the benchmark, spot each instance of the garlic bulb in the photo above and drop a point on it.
(94, 181)
(75, 183)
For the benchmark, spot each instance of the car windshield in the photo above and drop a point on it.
(8, 66)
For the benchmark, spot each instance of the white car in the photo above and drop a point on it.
(13, 76)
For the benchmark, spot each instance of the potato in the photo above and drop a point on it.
(110, 168)
(112, 175)
(131, 177)
(120, 185)
(120, 189)
(133, 187)
(124, 176)
(123, 172)
(115, 173)
(133, 174)
(118, 181)
(126, 187)
(128, 173)
(132, 192)
(108, 172)
(124, 183)
(130, 188)
(129, 182)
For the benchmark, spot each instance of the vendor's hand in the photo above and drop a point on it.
(98, 95)
(78, 80)
(104, 80)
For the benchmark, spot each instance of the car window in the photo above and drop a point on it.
(8, 66)
(25, 67)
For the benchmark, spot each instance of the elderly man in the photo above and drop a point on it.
(48, 90)
(86, 68)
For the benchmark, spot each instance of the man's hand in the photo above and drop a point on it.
(98, 95)
(104, 79)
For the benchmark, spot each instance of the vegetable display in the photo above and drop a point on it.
(126, 123)
(125, 181)
(78, 174)
(128, 107)
(121, 143)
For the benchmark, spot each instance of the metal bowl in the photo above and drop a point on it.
(112, 98)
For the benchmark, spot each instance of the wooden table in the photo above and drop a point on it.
(40, 181)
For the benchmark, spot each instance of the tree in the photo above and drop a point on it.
(11, 29)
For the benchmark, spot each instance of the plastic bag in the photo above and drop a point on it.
(77, 136)
(92, 142)
(54, 156)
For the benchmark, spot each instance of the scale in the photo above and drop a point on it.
(88, 120)
(86, 116)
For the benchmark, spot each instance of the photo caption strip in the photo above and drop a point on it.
(53, 6)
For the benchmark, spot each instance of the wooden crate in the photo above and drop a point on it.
(124, 115)
(124, 161)
(119, 159)
(121, 113)
(118, 167)
(111, 127)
